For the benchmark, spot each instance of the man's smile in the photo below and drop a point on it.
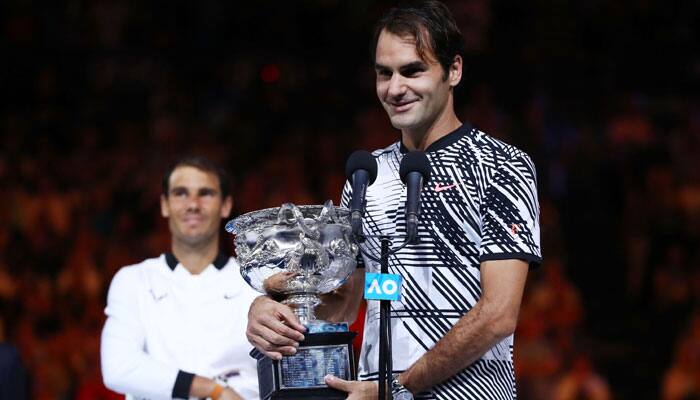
(193, 219)
(402, 106)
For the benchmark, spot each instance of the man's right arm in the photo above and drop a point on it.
(274, 329)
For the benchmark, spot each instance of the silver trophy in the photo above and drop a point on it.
(300, 253)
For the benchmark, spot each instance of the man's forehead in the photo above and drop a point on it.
(403, 46)
(189, 176)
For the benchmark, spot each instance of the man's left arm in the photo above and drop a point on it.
(510, 245)
(492, 319)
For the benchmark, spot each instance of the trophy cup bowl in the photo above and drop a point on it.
(300, 253)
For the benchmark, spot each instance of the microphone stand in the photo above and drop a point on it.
(386, 367)
(385, 356)
(414, 171)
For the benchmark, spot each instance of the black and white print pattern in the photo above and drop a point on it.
(479, 204)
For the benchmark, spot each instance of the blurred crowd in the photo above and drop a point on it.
(98, 96)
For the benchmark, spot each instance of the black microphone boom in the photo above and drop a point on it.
(361, 171)
(415, 172)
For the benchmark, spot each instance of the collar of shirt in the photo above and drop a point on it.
(219, 262)
(181, 277)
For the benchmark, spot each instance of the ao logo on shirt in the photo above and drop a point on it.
(382, 286)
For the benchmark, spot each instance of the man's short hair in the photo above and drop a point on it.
(431, 24)
(202, 164)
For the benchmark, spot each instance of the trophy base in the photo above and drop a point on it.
(301, 376)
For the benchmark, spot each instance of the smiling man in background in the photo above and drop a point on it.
(176, 323)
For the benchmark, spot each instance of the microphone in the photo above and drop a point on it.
(415, 172)
(361, 171)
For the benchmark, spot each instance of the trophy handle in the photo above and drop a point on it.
(283, 217)
(328, 213)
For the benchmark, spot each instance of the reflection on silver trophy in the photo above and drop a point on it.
(297, 251)
(300, 252)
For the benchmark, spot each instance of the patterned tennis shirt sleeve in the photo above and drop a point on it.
(510, 213)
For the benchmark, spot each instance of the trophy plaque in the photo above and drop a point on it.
(300, 252)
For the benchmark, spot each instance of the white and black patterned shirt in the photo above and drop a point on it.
(479, 204)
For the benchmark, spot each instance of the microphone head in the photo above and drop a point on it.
(415, 161)
(361, 159)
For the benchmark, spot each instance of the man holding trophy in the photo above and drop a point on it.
(463, 278)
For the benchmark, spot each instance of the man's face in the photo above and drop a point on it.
(413, 91)
(194, 206)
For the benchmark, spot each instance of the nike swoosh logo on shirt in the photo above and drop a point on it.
(439, 188)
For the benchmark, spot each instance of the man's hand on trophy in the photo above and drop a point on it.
(275, 285)
(273, 328)
(356, 390)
